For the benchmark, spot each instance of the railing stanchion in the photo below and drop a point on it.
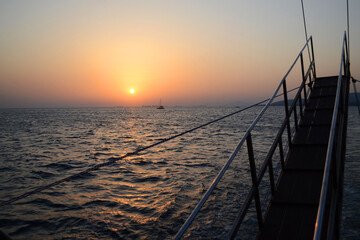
(295, 117)
(271, 177)
(347, 62)
(310, 81)
(254, 180)
(281, 151)
(345, 67)
(300, 106)
(287, 112)
(313, 57)
(303, 77)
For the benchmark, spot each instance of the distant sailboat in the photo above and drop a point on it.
(160, 106)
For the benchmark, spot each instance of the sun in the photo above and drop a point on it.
(132, 91)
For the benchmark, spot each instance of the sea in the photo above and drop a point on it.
(148, 195)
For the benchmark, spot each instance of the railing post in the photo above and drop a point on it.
(303, 77)
(347, 73)
(287, 112)
(310, 81)
(254, 180)
(313, 57)
(271, 177)
(301, 107)
(334, 167)
(295, 117)
(281, 151)
(345, 66)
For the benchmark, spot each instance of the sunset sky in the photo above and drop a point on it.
(91, 53)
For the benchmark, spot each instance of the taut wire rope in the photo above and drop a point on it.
(113, 160)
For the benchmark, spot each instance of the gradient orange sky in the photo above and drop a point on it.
(91, 53)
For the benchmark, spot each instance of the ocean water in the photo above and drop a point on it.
(147, 196)
(351, 193)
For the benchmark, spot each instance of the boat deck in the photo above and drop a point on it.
(293, 209)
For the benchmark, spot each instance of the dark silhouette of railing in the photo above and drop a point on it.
(300, 100)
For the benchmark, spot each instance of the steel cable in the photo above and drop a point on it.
(113, 160)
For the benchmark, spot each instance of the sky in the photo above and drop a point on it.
(92, 53)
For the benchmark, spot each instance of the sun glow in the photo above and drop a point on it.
(132, 91)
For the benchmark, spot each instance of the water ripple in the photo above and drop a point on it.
(144, 197)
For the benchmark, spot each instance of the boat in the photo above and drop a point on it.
(160, 106)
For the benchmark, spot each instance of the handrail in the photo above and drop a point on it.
(240, 144)
(329, 153)
(268, 160)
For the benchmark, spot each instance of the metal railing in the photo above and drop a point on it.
(334, 156)
(300, 99)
